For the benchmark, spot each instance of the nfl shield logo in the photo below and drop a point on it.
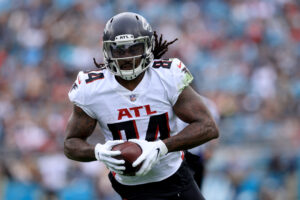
(132, 97)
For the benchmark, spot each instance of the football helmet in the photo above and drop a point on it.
(127, 37)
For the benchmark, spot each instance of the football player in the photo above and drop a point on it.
(137, 98)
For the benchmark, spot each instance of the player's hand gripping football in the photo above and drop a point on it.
(151, 153)
(104, 153)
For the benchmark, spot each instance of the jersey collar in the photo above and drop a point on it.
(140, 88)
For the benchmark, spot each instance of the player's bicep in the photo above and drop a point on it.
(80, 125)
(189, 107)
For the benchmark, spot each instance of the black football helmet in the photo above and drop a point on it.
(127, 32)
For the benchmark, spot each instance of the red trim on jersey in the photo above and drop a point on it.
(168, 125)
(179, 66)
(182, 155)
(120, 135)
(113, 173)
(136, 131)
(156, 132)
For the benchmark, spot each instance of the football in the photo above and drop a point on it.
(130, 151)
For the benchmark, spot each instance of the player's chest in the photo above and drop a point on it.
(147, 116)
(116, 106)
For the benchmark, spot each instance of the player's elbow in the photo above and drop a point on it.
(215, 133)
(212, 130)
(67, 149)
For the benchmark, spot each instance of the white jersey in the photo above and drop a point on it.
(145, 113)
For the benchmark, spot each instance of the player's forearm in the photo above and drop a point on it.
(193, 135)
(79, 150)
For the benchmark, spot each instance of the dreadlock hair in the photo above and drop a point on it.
(160, 48)
(99, 65)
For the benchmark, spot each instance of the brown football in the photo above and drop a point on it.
(130, 151)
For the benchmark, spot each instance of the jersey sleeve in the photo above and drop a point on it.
(180, 78)
(77, 94)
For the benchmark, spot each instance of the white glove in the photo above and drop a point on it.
(104, 153)
(152, 151)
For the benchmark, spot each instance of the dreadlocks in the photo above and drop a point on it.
(160, 48)
(99, 65)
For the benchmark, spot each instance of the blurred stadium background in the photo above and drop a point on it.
(244, 56)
